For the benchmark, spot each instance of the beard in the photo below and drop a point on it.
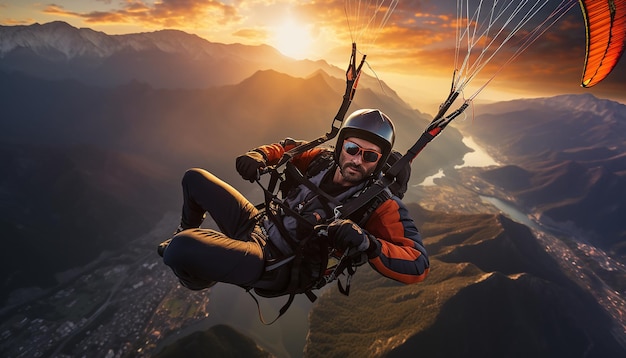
(353, 173)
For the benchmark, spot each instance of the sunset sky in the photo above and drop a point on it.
(413, 52)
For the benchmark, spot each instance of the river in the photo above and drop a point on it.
(477, 158)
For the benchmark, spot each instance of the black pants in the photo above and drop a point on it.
(237, 254)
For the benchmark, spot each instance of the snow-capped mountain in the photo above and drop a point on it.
(165, 59)
(604, 108)
(54, 38)
(582, 103)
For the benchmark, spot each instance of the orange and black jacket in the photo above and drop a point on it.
(399, 253)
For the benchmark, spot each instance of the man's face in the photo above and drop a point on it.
(352, 167)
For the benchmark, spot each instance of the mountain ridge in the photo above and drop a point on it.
(96, 58)
(585, 102)
(76, 42)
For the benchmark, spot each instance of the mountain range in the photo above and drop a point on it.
(57, 50)
(163, 59)
(95, 133)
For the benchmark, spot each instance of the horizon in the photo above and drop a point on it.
(316, 31)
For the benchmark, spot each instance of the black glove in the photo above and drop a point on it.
(346, 235)
(248, 165)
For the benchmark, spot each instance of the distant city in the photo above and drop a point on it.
(122, 308)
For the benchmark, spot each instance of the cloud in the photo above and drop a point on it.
(420, 40)
(254, 35)
(165, 13)
(15, 22)
(412, 26)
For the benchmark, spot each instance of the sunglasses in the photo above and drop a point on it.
(368, 155)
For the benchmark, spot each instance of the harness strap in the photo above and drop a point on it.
(280, 312)
(279, 263)
(270, 198)
(281, 228)
(373, 205)
(370, 193)
(297, 175)
(346, 291)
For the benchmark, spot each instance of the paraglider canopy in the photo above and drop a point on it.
(605, 21)
(497, 32)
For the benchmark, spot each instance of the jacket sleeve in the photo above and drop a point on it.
(400, 253)
(273, 152)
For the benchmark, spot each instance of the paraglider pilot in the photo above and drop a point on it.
(257, 248)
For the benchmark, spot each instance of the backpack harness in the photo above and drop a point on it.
(313, 263)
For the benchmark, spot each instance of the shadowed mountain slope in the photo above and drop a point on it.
(492, 292)
(217, 341)
(64, 206)
(513, 316)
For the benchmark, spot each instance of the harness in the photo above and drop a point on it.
(304, 208)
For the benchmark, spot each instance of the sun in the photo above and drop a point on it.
(292, 39)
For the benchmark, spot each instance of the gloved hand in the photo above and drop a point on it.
(248, 165)
(346, 235)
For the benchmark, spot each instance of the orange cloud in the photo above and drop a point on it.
(408, 26)
(15, 22)
(166, 13)
(420, 43)
(254, 35)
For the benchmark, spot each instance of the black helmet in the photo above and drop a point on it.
(371, 125)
